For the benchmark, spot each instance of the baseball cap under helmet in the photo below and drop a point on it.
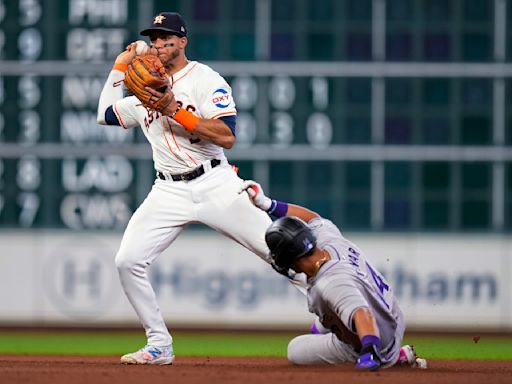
(170, 22)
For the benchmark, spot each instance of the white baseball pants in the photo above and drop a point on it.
(211, 199)
(328, 349)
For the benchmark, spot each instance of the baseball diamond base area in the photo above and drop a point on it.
(192, 370)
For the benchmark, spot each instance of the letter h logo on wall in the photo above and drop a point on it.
(80, 283)
(86, 280)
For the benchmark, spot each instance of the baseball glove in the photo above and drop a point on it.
(148, 71)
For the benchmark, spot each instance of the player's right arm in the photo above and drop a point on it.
(274, 207)
(112, 93)
(301, 212)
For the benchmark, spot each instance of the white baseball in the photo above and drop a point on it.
(141, 47)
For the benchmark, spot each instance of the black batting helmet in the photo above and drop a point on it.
(289, 238)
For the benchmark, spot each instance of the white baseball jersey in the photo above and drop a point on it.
(198, 89)
(211, 198)
(342, 285)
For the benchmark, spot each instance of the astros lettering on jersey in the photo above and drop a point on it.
(199, 90)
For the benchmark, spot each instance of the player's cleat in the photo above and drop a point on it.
(150, 355)
(408, 357)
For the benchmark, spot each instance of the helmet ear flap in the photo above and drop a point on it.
(276, 241)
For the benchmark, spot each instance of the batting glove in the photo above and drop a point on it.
(369, 358)
(256, 194)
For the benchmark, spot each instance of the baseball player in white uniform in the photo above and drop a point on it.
(194, 182)
(354, 303)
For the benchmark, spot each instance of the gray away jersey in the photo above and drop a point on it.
(348, 282)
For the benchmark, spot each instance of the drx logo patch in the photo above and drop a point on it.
(221, 98)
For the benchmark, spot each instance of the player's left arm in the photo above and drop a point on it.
(368, 332)
(344, 299)
(365, 323)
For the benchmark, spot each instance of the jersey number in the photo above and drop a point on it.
(152, 115)
(379, 282)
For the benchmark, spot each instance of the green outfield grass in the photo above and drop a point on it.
(231, 344)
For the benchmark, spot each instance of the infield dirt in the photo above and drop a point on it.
(194, 370)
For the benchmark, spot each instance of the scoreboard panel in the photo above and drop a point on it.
(95, 192)
(370, 151)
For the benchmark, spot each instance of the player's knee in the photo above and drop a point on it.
(296, 351)
(124, 263)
